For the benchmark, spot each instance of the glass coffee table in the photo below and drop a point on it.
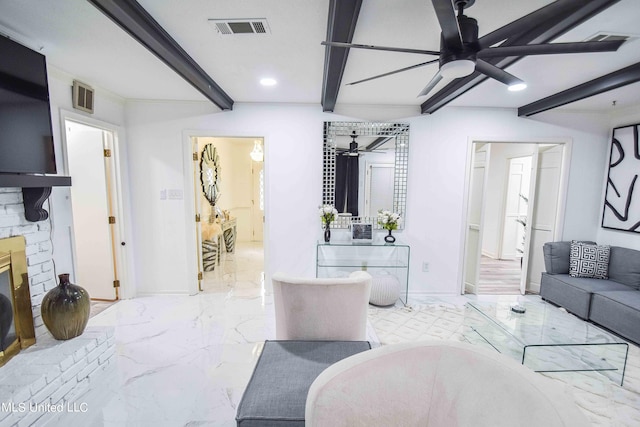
(545, 338)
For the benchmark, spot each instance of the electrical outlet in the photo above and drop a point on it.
(425, 267)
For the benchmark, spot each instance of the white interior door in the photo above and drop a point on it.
(544, 213)
(517, 201)
(93, 249)
(474, 218)
(379, 188)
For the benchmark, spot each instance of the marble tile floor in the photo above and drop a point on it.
(185, 360)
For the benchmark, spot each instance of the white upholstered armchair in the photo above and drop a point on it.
(439, 384)
(321, 309)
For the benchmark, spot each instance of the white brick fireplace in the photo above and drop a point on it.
(51, 375)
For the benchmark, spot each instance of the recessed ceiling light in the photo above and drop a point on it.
(517, 87)
(268, 81)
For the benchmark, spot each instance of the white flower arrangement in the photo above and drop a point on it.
(328, 213)
(389, 220)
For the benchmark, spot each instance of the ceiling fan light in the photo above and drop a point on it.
(458, 68)
(515, 87)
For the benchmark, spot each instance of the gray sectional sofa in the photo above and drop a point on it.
(613, 303)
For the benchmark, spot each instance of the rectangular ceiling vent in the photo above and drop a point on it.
(82, 97)
(608, 36)
(227, 27)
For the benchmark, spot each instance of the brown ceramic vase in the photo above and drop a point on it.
(65, 309)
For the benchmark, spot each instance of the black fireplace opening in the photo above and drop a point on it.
(8, 334)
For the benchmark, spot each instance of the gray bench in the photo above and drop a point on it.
(277, 391)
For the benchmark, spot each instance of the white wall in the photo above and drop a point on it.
(293, 172)
(439, 146)
(109, 109)
(615, 237)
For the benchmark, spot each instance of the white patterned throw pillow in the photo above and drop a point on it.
(586, 260)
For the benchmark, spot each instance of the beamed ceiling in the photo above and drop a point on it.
(162, 50)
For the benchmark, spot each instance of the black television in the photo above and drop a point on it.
(26, 135)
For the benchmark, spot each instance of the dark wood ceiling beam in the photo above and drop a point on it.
(620, 78)
(555, 20)
(341, 25)
(136, 21)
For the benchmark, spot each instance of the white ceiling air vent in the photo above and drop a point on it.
(227, 27)
(604, 36)
(82, 97)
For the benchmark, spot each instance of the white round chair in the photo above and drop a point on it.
(439, 384)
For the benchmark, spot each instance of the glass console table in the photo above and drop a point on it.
(341, 258)
(546, 339)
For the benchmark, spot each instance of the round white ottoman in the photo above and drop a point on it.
(385, 290)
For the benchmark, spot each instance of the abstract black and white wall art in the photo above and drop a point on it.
(622, 196)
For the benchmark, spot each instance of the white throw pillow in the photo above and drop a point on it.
(586, 260)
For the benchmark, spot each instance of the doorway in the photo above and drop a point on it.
(96, 224)
(515, 200)
(230, 228)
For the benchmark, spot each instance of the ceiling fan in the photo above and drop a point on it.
(462, 53)
(355, 150)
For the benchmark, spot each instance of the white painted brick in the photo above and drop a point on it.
(21, 395)
(17, 208)
(10, 198)
(39, 258)
(94, 354)
(4, 414)
(83, 374)
(5, 232)
(62, 391)
(92, 344)
(45, 247)
(40, 277)
(31, 250)
(25, 228)
(35, 291)
(97, 374)
(66, 363)
(10, 420)
(79, 354)
(44, 394)
(10, 190)
(37, 237)
(70, 374)
(38, 385)
(47, 266)
(10, 220)
(30, 418)
(44, 225)
(106, 355)
(81, 388)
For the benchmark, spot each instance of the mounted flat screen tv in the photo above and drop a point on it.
(26, 136)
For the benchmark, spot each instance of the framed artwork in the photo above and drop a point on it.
(362, 232)
(622, 197)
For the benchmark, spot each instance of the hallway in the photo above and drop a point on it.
(499, 276)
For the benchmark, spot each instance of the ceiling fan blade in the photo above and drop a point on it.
(422, 64)
(434, 81)
(550, 48)
(386, 48)
(448, 23)
(497, 73)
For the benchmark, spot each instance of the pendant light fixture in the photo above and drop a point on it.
(257, 155)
